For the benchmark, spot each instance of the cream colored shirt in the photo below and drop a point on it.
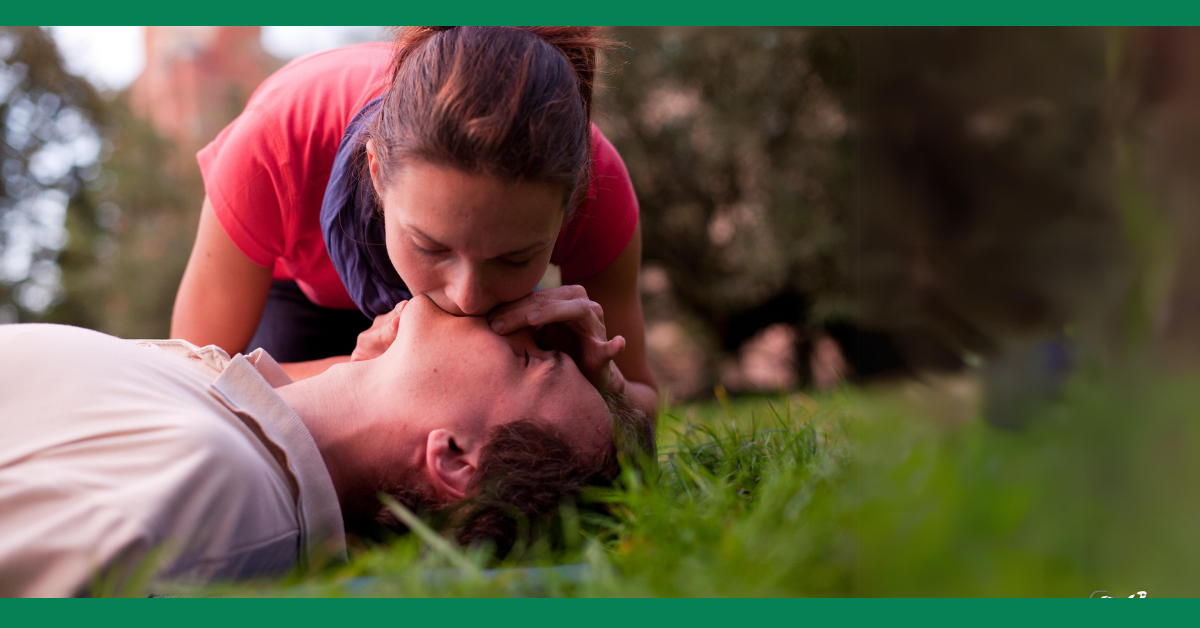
(119, 458)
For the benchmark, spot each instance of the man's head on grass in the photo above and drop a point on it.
(527, 471)
(490, 431)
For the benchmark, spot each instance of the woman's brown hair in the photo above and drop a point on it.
(510, 102)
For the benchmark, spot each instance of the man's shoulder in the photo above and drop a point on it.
(51, 334)
(210, 360)
(134, 440)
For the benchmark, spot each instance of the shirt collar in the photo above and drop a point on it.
(246, 387)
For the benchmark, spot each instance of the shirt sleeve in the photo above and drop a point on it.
(245, 177)
(605, 221)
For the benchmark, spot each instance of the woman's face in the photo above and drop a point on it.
(469, 241)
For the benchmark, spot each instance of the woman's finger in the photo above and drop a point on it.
(579, 314)
(375, 341)
(598, 367)
(561, 293)
(512, 316)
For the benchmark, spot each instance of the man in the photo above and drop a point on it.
(117, 455)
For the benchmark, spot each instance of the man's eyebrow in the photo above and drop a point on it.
(554, 368)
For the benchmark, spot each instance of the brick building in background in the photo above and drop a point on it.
(198, 78)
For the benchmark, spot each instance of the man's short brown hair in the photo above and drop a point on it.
(527, 472)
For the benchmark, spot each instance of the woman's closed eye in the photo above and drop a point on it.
(516, 263)
(427, 246)
(428, 251)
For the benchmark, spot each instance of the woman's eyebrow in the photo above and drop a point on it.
(431, 239)
(535, 245)
(434, 241)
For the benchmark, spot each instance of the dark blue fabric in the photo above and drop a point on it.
(353, 228)
(294, 329)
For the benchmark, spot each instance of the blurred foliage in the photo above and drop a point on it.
(114, 260)
(123, 279)
(989, 212)
(958, 190)
(739, 143)
(48, 148)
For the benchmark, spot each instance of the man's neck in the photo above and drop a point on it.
(357, 433)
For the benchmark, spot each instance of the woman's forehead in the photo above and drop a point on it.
(444, 202)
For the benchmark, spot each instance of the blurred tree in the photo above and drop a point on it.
(990, 225)
(149, 192)
(989, 210)
(123, 279)
(923, 196)
(49, 144)
(98, 212)
(1162, 145)
(739, 144)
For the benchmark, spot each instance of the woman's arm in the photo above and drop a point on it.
(222, 295)
(616, 290)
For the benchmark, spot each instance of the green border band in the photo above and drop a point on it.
(925, 613)
(625, 12)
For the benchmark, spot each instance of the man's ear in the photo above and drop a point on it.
(450, 462)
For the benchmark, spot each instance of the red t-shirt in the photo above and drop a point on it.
(265, 174)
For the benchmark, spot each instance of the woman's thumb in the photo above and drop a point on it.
(616, 346)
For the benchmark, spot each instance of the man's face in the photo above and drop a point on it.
(461, 372)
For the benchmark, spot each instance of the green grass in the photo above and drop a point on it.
(862, 493)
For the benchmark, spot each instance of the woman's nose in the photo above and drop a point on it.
(468, 293)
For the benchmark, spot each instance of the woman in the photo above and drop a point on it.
(461, 168)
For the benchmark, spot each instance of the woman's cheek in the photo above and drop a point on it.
(519, 284)
(414, 270)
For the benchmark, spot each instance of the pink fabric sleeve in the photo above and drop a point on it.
(604, 223)
(244, 177)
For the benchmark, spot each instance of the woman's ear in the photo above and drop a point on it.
(373, 167)
(450, 462)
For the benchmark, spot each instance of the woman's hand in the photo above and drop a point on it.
(374, 341)
(564, 318)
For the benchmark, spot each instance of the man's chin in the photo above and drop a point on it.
(400, 307)
(445, 305)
